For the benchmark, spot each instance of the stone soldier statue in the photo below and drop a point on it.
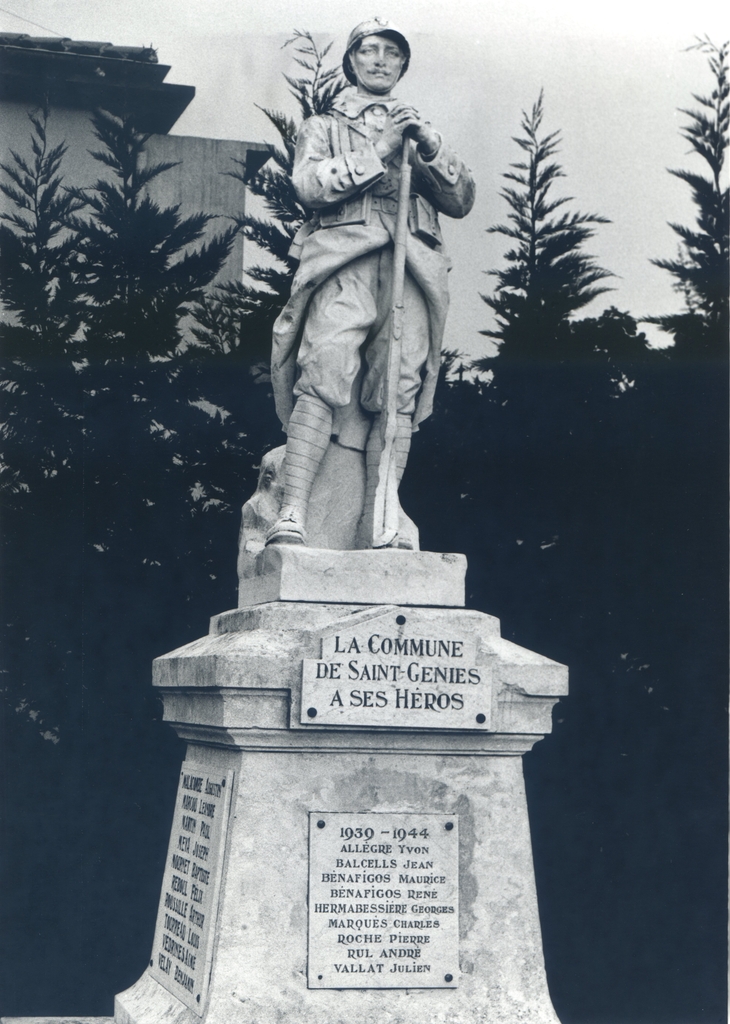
(331, 340)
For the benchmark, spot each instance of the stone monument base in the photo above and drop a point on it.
(260, 970)
(351, 842)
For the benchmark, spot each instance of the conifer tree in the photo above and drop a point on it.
(702, 266)
(38, 258)
(548, 275)
(39, 286)
(137, 268)
(91, 292)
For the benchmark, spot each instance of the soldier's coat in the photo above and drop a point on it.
(336, 173)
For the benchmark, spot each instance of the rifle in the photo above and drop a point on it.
(385, 515)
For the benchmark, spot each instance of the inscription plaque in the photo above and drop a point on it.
(182, 947)
(383, 900)
(395, 671)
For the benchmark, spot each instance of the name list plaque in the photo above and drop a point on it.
(383, 900)
(388, 674)
(182, 948)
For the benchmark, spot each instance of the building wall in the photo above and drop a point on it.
(199, 183)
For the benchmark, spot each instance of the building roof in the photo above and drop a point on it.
(58, 44)
(86, 75)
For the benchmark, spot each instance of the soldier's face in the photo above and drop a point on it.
(377, 64)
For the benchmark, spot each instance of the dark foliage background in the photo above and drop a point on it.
(595, 528)
(587, 486)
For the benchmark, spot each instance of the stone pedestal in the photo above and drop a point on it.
(273, 755)
(326, 576)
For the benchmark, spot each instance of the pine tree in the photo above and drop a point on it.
(138, 270)
(548, 277)
(37, 255)
(702, 266)
(41, 424)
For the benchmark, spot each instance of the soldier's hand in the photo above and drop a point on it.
(403, 118)
(413, 124)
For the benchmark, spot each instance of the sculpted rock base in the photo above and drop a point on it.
(335, 506)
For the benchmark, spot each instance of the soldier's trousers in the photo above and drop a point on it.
(348, 321)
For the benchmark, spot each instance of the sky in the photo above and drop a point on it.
(613, 75)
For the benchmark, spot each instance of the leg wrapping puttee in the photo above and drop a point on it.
(309, 432)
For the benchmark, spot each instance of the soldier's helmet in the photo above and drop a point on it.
(374, 27)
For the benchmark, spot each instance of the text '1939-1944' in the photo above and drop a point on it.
(383, 900)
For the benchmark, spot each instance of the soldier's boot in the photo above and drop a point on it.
(401, 447)
(308, 436)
